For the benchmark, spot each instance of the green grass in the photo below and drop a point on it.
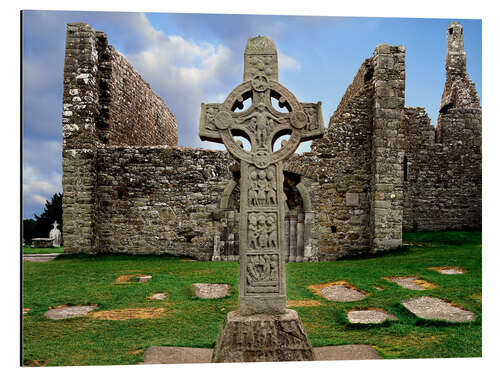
(36, 250)
(192, 322)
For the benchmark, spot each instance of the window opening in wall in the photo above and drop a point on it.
(334, 229)
(405, 168)
(189, 238)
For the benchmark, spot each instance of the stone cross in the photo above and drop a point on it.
(262, 211)
(55, 235)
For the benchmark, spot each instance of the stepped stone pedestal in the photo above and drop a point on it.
(262, 338)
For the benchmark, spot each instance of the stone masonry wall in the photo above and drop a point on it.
(136, 115)
(386, 221)
(159, 199)
(443, 181)
(104, 102)
(80, 111)
(337, 173)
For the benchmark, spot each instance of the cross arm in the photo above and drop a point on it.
(208, 130)
(314, 127)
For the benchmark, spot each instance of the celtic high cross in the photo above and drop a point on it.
(262, 210)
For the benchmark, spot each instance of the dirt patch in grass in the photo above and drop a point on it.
(303, 303)
(34, 362)
(425, 284)
(26, 310)
(124, 314)
(134, 352)
(316, 288)
(125, 279)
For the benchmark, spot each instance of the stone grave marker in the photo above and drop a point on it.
(370, 316)
(209, 291)
(342, 293)
(262, 329)
(67, 312)
(55, 235)
(436, 309)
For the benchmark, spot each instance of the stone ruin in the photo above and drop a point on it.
(380, 169)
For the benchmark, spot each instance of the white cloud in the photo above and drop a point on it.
(185, 74)
(42, 175)
(287, 62)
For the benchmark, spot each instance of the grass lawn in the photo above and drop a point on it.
(189, 321)
(36, 250)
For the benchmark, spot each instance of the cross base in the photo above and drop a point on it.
(262, 338)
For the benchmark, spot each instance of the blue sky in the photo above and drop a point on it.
(192, 58)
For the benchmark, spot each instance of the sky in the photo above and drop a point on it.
(192, 58)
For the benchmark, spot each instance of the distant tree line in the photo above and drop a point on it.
(41, 225)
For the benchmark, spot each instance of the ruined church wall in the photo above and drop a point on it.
(79, 116)
(99, 85)
(337, 173)
(136, 115)
(386, 220)
(159, 199)
(443, 184)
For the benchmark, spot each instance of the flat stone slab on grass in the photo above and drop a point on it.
(411, 282)
(143, 279)
(158, 296)
(339, 291)
(342, 293)
(345, 352)
(207, 291)
(67, 312)
(448, 270)
(170, 354)
(40, 257)
(437, 309)
(125, 314)
(369, 316)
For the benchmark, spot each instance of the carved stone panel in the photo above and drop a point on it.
(262, 273)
